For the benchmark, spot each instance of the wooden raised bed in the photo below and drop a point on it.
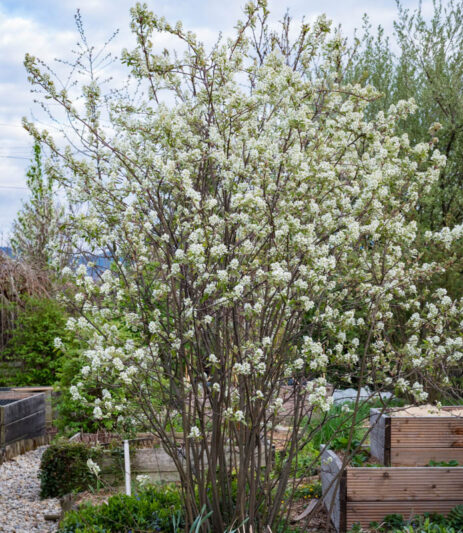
(146, 457)
(22, 422)
(367, 494)
(416, 440)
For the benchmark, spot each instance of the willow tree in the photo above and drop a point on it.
(258, 230)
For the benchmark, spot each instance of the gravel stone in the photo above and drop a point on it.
(21, 509)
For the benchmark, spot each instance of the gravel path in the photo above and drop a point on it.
(21, 509)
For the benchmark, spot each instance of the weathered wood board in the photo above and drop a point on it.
(379, 435)
(421, 456)
(403, 484)
(147, 457)
(22, 446)
(414, 441)
(50, 401)
(22, 418)
(333, 488)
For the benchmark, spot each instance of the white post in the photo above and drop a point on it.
(128, 487)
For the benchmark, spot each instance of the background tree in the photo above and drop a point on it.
(40, 220)
(423, 60)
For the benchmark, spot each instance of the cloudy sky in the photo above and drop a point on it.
(46, 29)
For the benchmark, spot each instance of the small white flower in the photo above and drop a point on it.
(143, 480)
(58, 343)
(213, 359)
(195, 433)
(93, 467)
(75, 394)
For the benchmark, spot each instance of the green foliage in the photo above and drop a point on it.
(455, 517)
(334, 428)
(309, 491)
(38, 323)
(63, 469)
(306, 461)
(452, 462)
(155, 509)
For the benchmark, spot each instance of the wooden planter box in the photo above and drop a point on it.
(367, 494)
(415, 440)
(50, 401)
(22, 422)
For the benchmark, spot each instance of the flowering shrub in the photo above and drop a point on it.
(260, 230)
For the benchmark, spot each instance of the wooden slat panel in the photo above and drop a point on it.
(427, 432)
(366, 512)
(152, 460)
(26, 428)
(49, 393)
(23, 408)
(414, 483)
(422, 456)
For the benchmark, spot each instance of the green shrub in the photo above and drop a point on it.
(63, 469)
(154, 509)
(38, 323)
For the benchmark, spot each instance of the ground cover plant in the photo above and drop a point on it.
(153, 509)
(260, 232)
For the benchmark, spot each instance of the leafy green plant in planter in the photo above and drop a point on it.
(427, 523)
(64, 469)
(156, 509)
(452, 462)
